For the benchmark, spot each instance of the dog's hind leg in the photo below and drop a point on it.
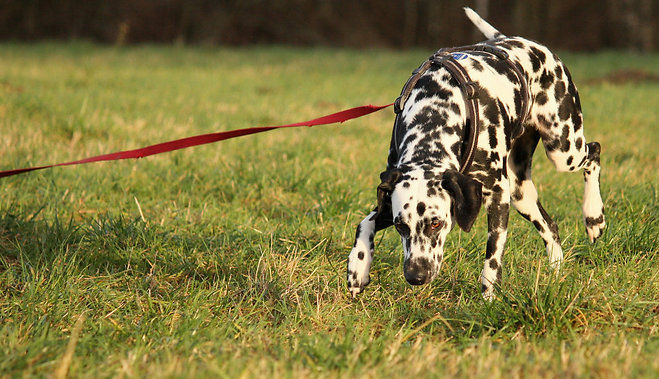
(525, 197)
(557, 113)
(593, 207)
(588, 160)
(361, 255)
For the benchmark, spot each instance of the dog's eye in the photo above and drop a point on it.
(436, 223)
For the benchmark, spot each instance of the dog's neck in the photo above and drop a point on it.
(435, 163)
(429, 169)
(440, 146)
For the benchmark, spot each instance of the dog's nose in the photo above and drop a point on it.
(417, 271)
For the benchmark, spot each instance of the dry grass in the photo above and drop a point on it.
(228, 259)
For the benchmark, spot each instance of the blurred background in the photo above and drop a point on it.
(577, 25)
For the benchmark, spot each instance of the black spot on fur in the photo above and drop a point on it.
(518, 102)
(565, 141)
(539, 54)
(421, 208)
(594, 150)
(501, 67)
(486, 179)
(359, 230)
(537, 58)
(476, 65)
(406, 184)
(527, 217)
(546, 79)
(517, 195)
(572, 91)
(492, 134)
(430, 88)
(493, 264)
(535, 62)
(553, 144)
(407, 205)
(516, 44)
(538, 226)
(490, 108)
(541, 98)
(559, 91)
(578, 143)
(505, 167)
(576, 119)
(509, 128)
(546, 124)
(491, 245)
(592, 221)
(360, 255)
(552, 225)
(566, 108)
(569, 160)
(582, 161)
(497, 214)
(455, 148)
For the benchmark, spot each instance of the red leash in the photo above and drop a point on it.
(203, 139)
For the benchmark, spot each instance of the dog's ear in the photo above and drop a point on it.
(388, 180)
(467, 196)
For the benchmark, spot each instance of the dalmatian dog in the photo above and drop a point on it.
(424, 194)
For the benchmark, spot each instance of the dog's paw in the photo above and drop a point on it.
(488, 294)
(356, 285)
(359, 265)
(594, 227)
(555, 254)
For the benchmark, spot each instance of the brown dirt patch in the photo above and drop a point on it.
(620, 77)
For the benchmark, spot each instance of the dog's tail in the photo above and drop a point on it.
(482, 25)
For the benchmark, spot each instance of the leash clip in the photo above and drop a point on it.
(397, 108)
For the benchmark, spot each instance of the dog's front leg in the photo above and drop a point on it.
(361, 255)
(497, 232)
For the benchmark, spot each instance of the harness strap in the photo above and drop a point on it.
(470, 93)
(409, 85)
(443, 57)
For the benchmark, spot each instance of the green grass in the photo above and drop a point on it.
(237, 265)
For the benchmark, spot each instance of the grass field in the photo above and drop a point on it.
(229, 259)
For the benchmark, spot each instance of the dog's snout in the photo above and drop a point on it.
(417, 271)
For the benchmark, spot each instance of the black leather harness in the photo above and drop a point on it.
(446, 58)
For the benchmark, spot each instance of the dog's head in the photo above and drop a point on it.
(425, 205)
